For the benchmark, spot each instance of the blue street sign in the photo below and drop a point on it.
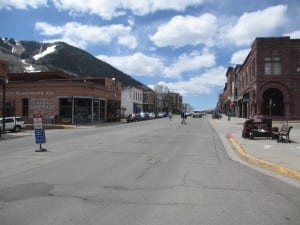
(40, 136)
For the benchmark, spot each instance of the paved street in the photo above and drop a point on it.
(156, 172)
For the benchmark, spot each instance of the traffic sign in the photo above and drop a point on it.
(39, 131)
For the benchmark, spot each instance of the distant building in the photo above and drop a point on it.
(148, 99)
(176, 105)
(132, 100)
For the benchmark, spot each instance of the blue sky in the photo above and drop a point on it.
(187, 45)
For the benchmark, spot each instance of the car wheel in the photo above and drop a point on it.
(17, 129)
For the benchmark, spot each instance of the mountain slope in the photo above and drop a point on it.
(34, 56)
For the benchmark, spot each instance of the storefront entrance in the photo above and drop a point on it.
(81, 110)
(272, 104)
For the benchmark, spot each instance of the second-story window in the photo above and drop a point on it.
(273, 65)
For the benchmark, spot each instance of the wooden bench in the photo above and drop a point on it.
(283, 135)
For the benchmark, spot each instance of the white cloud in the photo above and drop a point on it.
(127, 40)
(294, 35)
(47, 29)
(108, 9)
(186, 30)
(257, 24)
(190, 62)
(137, 64)
(83, 35)
(22, 4)
(239, 56)
(202, 84)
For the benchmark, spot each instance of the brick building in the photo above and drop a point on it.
(269, 79)
(268, 82)
(149, 99)
(176, 103)
(62, 97)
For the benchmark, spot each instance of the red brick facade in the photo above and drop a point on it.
(63, 97)
(269, 79)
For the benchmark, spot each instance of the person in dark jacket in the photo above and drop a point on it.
(183, 117)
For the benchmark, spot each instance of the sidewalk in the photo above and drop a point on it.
(282, 158)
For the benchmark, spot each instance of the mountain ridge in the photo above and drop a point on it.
(22, 56)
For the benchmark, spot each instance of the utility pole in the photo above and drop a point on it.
(270, 107)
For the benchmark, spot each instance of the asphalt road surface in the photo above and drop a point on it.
(156, 172)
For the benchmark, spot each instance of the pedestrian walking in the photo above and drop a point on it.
(170, 116)
(183, 117)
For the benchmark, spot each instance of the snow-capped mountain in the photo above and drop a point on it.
(31, 56)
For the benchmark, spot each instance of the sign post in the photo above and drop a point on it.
(39, 132)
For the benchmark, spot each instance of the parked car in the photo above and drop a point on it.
(13, 124)
(144, 115)
(133, 117)
(196, 114)
(152, 115)
(130, 118)
(188, 113)
(161, 114)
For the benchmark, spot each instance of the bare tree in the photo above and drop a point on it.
(161, 89)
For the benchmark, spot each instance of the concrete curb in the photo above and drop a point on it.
(68, 126)
(260, 162)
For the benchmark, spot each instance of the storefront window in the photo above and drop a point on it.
(65, 112)
(81, 110)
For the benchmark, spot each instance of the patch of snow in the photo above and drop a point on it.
(49, 50)
(17, 49)
(29, 67)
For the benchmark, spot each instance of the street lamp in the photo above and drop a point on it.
(114, 86)
(4, 81)
(270, 106)
(228, 107)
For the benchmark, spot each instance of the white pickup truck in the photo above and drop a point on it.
(13, 124)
